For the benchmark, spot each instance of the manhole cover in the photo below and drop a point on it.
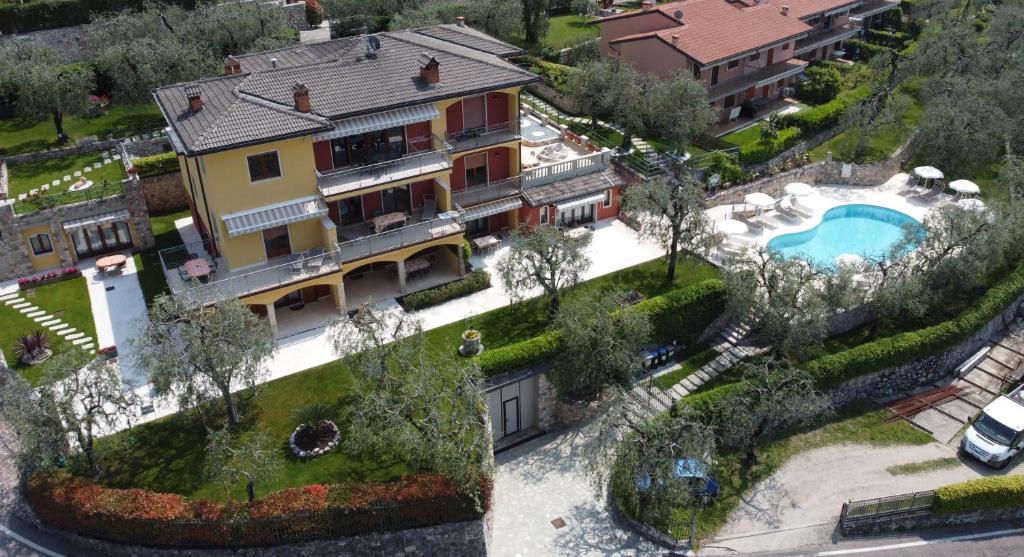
(558, 523)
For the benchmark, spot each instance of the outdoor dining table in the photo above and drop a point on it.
(576, 233)
(416, 265)
(486, 243)
(111, 262)
(197, 268)
(383, 222)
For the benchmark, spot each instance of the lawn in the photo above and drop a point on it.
(881, 145)
(688, 365)
(568, 30)
(29, 176)
(739, 138)
(70, 297)
(147, 262)
(25, 135)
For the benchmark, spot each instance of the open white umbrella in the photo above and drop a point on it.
(799, 189)
(929, 173)
(971, 204)
(759, 200)
(849, 260)
(730, 226)
(965, 186)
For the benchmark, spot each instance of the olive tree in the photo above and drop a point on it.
(42, 84)
(200, 353)
(42, 441)
(495, 17)
(542, 257)
(254, 458)
(671, 212)
(535, 19)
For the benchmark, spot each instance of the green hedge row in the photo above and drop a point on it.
(819, 118)
(474, 282)
(50, 14)
(866, 50)
(897, 40)
(680, 314)
(996, 492)
(763, 150)
(156, 164)
(554, 74)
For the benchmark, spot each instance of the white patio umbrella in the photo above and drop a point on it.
(971, 204)
(799, 189)
(849, 260)
(759, 200)
(929, 173)
(966, 187)
(730, 226)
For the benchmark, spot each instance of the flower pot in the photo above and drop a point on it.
(471, 343)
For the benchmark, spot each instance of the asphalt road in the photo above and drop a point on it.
(995, 540)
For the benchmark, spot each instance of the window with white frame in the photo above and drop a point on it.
(607, 199)
(40, 244)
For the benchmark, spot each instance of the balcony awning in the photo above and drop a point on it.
(112, 216)
(491, 208)
(279, 214)
(380, 121)
(579, 201)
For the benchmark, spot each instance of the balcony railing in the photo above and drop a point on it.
(481, 136)
(224, 284)
(489, 192)
(434, 156)
(762, 76)
(548, 173)
(821, 37)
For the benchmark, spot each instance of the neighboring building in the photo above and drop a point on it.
(343, 170)
(740, 49)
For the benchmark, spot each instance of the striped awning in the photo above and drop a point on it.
(380, 121)
(112, 216)
(270, 216)
(579, 201)
(491, 208)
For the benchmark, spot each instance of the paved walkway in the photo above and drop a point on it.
(118, 312)
(799, 504)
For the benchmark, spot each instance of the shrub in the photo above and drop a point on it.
(467, 253)
(897, 40)
(49, 14)
(553, 74)
(865, 50)
(819, 118)
(520, 355)
(766, 149)
(996, 492)
(314, 14)
(823, 84)
(473, 282)
(32, 347)
(723, 164)
(156, 164)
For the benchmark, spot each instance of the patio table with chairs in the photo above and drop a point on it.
(386, 221)
(486, 243)
(112, 263)
(197, 268)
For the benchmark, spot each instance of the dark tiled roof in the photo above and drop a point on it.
(343, 81)
(564, 190)
(471, 38)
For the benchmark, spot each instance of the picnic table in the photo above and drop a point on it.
(197, 268)
(383, 222)
(486, 243)
(110, 263)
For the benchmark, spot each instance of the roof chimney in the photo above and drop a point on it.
(675, 39)
(273, 62)
(195, 98)
(232, 66)
(430, 70)
(785, 10)
(301, 94)
(460, 21)
(647, 5)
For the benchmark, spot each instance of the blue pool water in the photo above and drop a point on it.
(864, 230)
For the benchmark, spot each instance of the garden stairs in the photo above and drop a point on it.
(646, 399)
(49, 322)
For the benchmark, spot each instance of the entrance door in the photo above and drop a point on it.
(474, 113)
(276, 242)
(476, 170)
(395, 200)
(510, 416)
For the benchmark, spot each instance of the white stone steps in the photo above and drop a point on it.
(50, 323)
(11, 296)
(73, 336)
(25, 308)
(67, 331)
(80, 341)
(36, 313)
(41, 318)
(59, 326)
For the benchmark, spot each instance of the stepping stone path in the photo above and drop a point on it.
(50, 322)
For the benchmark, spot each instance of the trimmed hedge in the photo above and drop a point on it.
(680, 314)
(763, 150)
(156, 164)
(824, 116)
(49, 14)
(996, 492)
(866, 50)
(898, 40)
(474, 282)
(556, 75)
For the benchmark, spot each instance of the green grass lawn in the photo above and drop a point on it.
(169, 455)
(568, 30)
(881, 145)
(739, 138)
(687, 366)
(28, 176)
(147, 262)
(24, 135)
(68, 300)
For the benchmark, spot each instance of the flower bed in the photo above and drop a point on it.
(305, 444)
(49, 277)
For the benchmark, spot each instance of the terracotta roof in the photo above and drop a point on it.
(343, 81)
(805, 8)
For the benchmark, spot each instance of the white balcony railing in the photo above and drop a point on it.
(548, 173)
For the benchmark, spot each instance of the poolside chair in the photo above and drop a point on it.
(794, 206)
(763, 221)
(786, 213)
(755, 226)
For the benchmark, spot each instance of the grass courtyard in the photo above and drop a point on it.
(25, 135)
(147, 262)
(568, 30)
(28, 176)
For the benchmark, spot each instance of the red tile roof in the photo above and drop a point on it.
(804, 8)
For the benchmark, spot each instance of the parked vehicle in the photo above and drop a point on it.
(997, 434)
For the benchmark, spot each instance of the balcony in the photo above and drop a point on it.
(873, 7)
(435, 156)
(488, 192)
(586, 164)
(822, 37)
(225, 284)
(768, 74)
(483, 136)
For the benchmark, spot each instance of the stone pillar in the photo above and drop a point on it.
(142, 231)
(338, 291)
(272, 318)
(401, 275)
(547, 401)
(59, 238)
(13, 253)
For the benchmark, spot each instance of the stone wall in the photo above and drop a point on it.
(928, 519)
(547, 402)
(772, 185)
(84, 145)
(549, 94)
(73, 44)
(165, 193)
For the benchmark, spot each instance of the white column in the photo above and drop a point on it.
(339, 296)
(272, 318)
(401, 276)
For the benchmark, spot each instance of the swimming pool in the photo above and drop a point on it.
(864, 230)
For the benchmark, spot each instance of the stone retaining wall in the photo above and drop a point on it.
(928, 519)
(562, 102)
(165, 193)
(85, 145)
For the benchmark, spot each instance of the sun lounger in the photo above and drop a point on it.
(754, 226)
(787, 214)
(800, 210)
(763, 221)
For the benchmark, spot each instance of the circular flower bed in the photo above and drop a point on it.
(37, 357)
(308, 441)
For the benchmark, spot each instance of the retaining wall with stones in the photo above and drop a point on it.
(165, 192)
(928, 519)
(85, 145)
(562, 102)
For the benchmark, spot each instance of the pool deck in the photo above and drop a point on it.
(826, 197)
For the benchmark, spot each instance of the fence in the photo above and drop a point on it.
(885, 508)
(43, 201)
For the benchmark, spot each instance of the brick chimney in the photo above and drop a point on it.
(785, 10)
(232, 66)
(301, 94)
(460, 21)
(647, 5)
(430, 70)
(195, 98)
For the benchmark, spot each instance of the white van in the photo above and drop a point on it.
(997, 434)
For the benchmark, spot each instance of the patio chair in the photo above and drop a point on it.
(800, 210)
(787, 214)
(763, 221)
(429, 208)
(183, 274)
(295, 264)
(754, 226)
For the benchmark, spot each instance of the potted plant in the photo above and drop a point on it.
(33, 348)
(316, 433)
(471, 343)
